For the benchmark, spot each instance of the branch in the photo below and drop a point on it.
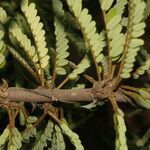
(51, 95)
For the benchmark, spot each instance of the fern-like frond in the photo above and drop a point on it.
(4, 137)
(25, 43)
(3, 16)
(2, 61)
(15, 141)
(81, 67)
(58, 7)
(143, 98)
(38, 32)
(2, 49)
(61, 48)
(74, 138)
(57, 140)
(142, 69)
(44, 137)
(140, 95)
(92, 39)
(120, 128)
(115, 37)
(135, 29)
(30, 131)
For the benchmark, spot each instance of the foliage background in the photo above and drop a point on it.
(96, 131)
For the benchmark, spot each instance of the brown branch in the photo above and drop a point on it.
(47, 95)
(51, 95)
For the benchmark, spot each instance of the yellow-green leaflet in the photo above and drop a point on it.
(74, 138)
(94, 40)
(46, 135)
(38, 32)
(61, 48)
(58, 7)
(58, 140)
(136, 29)
(82, 66)
(106, 4)
(3, 16)
(142, 69)
(24, 42)
(2, 61)
(4, 136)
(15, 142)
(31, 119)
(30, 131)
(21, 118)
(2, 49)
(120, 128)
(142, 97)
(114, 27)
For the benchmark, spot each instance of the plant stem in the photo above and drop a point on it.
(125, 50)
(110, 73)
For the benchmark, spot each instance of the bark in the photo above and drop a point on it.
(51, 95)
(47, 95)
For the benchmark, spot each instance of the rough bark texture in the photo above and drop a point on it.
(47, 95)
(62, 95)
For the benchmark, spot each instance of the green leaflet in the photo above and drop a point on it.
(4, 137)
(120, 5)
(120, 128)
(30, 131)
(94, 41)
(82, 66)
(25, 43)
(74, 138)
(106, 4)
(58, 7)
(61, 48)
(144, 64)
(22, 23)
(135, 30)
(38, 32)
(142, 97)
(142, 69)
(15, 143)
(57, 139)
(104, 64)
(45, 135)
(21, 118)
(2, 49)
(31, 119)
(112, 12)
(3, 16)
(2, 61)
(114, 27)
(53, 134)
